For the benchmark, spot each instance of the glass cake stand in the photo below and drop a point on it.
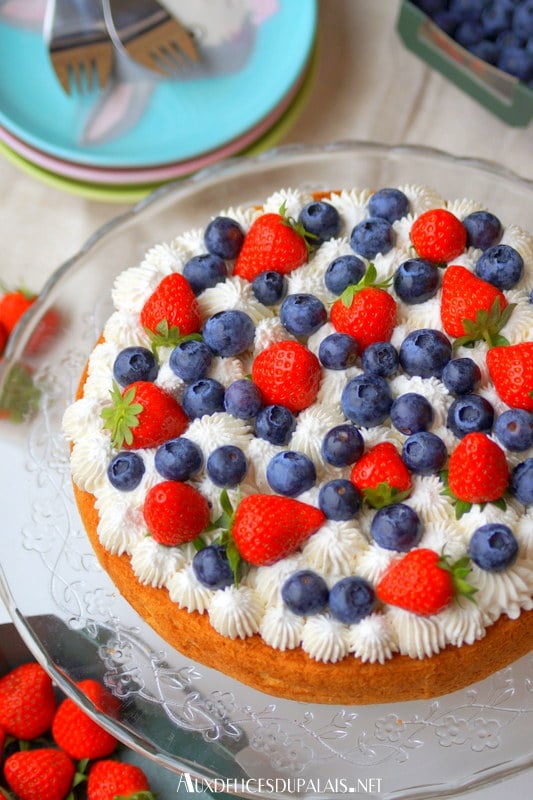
(192, 720)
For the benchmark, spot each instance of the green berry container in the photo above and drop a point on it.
(504, 95)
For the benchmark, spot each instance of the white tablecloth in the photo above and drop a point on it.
(367, 86)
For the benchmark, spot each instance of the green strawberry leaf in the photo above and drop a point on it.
(487, 326)
(122, 416)
(368, 281)
(165, 336)
(20, 397)
(459, 571)
(310, 239)
(384, 495)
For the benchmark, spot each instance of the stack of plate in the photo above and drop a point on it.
(142, 130)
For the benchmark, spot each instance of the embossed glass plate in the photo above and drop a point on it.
(191, 719)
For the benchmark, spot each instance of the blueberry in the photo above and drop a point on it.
(468, 33)
(205, 396)
(461, 376)
(351, 599)
(514, 429)
(523, 20)
(521, 482)
(496, 17)
(190, 360)
(424, 453)
(320, 219)
(446, 20)
(470, 413)
(483, 229)
(229, 333)
(134, 364)
(305, 592)
(243, 399)
(178, 459)
(366, 400)
(416, 280)
(302, 314)
(372, 236)
(205, 271)
(516, 61)
(486, 50)
(396, 527)
(468, 9)
(389, 204)
(339, 499)
(226, 465)
(125, 471)
(338, 351)
(342, 272)
(425, 353)
(411, 413)
(493, 547)
(380, 358)
(430, 7)
(290, 473)
(342, 445)
(212, 568)
(500, 265)
(269, 287)
(275, 424)
(224, 237)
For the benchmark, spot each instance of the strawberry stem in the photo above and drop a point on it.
(368, 281)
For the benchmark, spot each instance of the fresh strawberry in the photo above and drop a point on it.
(477, 471)
(172, 309)
(273, 242)
(472, 308)
(109, 780)
(43, 774)
(175, 512)
(287, 374)
(77, 733)
(438, 235)
(511, 370)
(381, 476)
(13, 306)
(3, 338)
(365, 310)
(27, 701)
(424, 582)
(143, 415)
(3, 735)
(267, 528)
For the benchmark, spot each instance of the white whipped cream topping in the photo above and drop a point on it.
(325, 639)
(281, 629)
(373, 639)
(154, 564)
(235, 612)
(338, 548)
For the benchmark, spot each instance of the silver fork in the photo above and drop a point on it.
(78, 42)
(149, 35)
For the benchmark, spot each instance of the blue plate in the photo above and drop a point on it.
(140, 119)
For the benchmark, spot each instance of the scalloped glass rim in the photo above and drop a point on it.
(313, 165)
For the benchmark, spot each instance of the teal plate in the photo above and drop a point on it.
(141, 120)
